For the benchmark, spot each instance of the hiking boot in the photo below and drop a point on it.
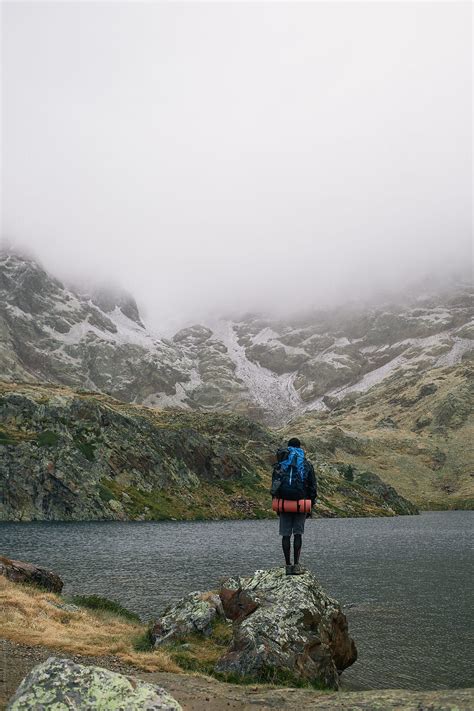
(297, 569)
(289, 569)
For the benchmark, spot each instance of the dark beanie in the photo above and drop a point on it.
(294, 442)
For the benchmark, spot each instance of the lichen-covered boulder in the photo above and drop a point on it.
(61, 684)
(19, 572)
(193, 613)
(292, 628)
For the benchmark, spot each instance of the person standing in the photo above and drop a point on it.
(293, 480)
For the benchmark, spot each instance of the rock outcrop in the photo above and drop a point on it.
(294, 628)
(373, 483)
(19, 572)
(72, 456)
(283, 628)
(77, 456)
(62, 684)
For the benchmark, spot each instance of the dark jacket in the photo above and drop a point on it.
(311, 484)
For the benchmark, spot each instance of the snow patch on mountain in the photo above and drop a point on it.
(274, 393)
(337, 360)
(460, 347)
(17, 312)
(77, 333)
(370, 379)
(265, 335)
(129, 331)
(374, 377)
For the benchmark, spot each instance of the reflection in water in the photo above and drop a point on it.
(404, 582)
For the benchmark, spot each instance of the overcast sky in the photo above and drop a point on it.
(216, 156)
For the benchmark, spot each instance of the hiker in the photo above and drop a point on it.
(294, 491)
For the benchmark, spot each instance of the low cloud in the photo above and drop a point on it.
(233, 157)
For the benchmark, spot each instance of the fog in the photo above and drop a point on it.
(237, 156)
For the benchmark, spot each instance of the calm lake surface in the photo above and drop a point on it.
(405, 582)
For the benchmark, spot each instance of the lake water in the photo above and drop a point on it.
(405, 582)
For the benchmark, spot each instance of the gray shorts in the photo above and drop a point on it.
(291, 523)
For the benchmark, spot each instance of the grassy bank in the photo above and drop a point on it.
(34, 617)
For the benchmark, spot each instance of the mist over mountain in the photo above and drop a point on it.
(206, 176)
(165, 319)
(255, 363)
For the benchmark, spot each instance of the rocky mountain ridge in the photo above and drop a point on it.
(265, 368)
(72, 456)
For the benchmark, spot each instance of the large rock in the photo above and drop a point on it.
(19, 572)
(284, 628)
(194, 613)
(292, 629)
(62, 684)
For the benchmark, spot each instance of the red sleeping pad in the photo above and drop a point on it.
(300, 506)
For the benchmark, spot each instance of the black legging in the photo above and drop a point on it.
(297, 543)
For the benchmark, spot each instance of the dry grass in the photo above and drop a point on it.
(29, 616)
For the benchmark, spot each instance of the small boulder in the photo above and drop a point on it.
(423, 421)
(19, 572)
(331, 402)
(289, 627)
(427, 389)
(66, 606)
(193, 613)
(387, 423)
(62, 684)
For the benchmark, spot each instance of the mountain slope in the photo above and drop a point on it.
(415, 430)
(53, 334)
(265, 368)
(66, 455)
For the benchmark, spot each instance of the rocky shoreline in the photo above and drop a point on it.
(237, 632)
(195, 692)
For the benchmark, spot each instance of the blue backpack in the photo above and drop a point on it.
(290, 474)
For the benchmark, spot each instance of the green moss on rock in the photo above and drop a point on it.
(48, 439)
